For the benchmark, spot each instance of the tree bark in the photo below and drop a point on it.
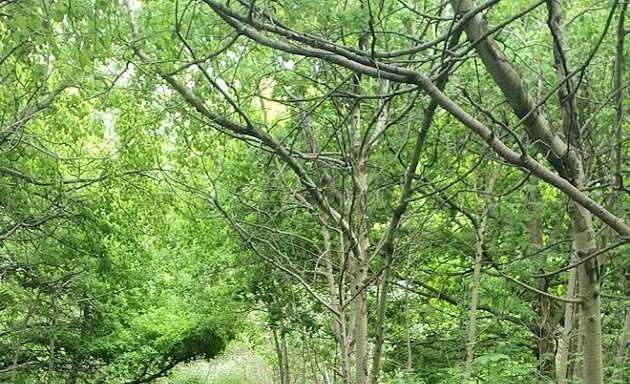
(622, 349)
(281, 354)
(480, 232)
(545, 327)
(409, 361)
(564, 344)
(474, 301)
(51, 339)
(624, 338)
(359, 290)
(565, 159)
(581, 220)
(19, 337)
(588, 275)
(334, 286)
(398, 212)
(339, 321)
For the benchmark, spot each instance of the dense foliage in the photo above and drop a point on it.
(346, 192)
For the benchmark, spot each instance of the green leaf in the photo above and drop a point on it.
(85, 59)
(491, 358)
(57, 12)
(39, 72)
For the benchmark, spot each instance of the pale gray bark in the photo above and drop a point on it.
(480, 232)
(334, 286)
(564, 344)
(589, 294)
(409, 361)
(622, 349)
(384, 287)
(360, 251)
(281, 355)
(52, 333)
(474, 301)
(624, 338)
(565, 159)
(339, 320)
(581, 220)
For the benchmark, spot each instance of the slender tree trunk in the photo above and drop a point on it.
(409, 364)
(334, 288)
(276, 344)
(619, 99)
(589, 293)
(403, 202)
(281, 353)
(545, 327)
(381, 125)
(480, 230)
(308, 355)
(474, 301)
(564, 344)
(325, 376)
(51, 340)
(587, 314)
(588, 273)
(622, 349)
(285, 357)
(359, 290)
(624, 338)
(339, 320)
(360, 253)
(20, 336)
(565, 158)
(360, 304)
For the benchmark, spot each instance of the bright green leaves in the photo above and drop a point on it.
(58, 11)
(134, 172)
(39, 72)
(20, 22)
(85, 58)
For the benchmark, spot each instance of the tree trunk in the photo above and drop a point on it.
(409, 364)
(589, 294)
(619, 99)
(564, 344)
(389, 251)
(51, 340)
(624, 338)
(480, 231)
(474, 301)
(360, 251)
(334, 287)
(622, 350)
(19, 337)
(566, 160)
(308, 355)
(403, 203)
(285, 357)
(339, 320)
(588, 273)
(281, 354)
(545, 327)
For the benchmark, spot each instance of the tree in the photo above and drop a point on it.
(432, 190)
(263, 26)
